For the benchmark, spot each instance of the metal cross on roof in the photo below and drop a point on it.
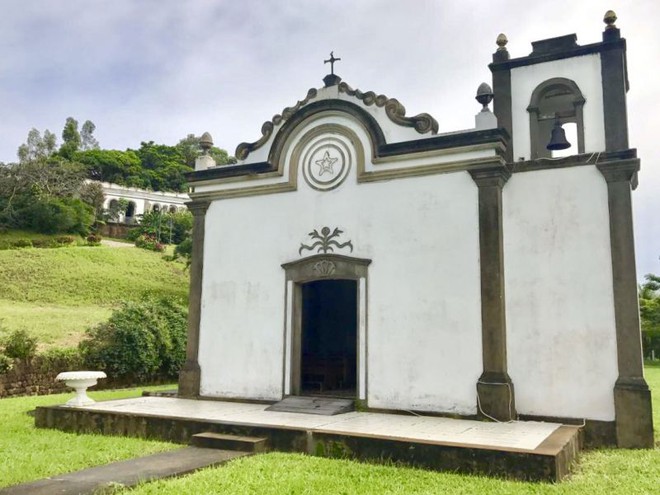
(332, 61)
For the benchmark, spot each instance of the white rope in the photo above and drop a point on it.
(510, 402)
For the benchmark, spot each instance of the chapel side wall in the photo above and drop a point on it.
(423, 307)
(585, 71)
(559, 297)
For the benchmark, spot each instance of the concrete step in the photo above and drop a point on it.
(221, 441)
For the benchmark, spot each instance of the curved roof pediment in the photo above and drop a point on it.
(374, 111)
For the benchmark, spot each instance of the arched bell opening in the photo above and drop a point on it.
(555, 100)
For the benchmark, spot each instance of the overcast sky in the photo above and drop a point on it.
(156, 70)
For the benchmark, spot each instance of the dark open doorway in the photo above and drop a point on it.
(329, 338)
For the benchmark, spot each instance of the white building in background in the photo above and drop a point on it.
(141, 201)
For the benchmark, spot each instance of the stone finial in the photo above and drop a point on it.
(206, 143)
(501, 41)
(205, 160)
(484, 96)
(610, 19)
(485, 119)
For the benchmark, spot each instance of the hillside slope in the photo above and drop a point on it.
(57, 293)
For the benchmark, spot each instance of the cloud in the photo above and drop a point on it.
(160, 69)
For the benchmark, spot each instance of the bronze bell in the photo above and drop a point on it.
(558, 139)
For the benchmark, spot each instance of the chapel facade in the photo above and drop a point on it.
(353, 251)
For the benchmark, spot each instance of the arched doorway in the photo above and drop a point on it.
(130, 212)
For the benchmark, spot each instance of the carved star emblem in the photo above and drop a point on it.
(326, 164)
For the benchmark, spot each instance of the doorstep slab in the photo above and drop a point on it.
(324, 406)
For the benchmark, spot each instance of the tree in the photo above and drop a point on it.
(91, 193)
(649, 309)
(43, 178)
(37, 147)
(117, 167)
(164, 166)
(33, 190)
(88, 141)
(71, 138)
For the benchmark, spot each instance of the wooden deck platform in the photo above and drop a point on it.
(521, 450)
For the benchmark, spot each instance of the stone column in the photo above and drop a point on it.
(190, 374)
(632, 397)
(615, 86)
(494, 387)
(501, 70)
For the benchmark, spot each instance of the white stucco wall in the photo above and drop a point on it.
(585, 72)
(561, 336)
(423, 318)
(423, 309)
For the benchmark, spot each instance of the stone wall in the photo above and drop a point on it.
(116, 230)
(35, 377)
(29, 378)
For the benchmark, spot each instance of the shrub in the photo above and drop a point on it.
(94, 240)
(60, 359)
(19, 344)
(64, 240)
(133, 234)
(167, 228)
(54, 215)
(21, 243)
(184, 250)
(651, 343)
(141, 341)
(182, 224)
(6, 363)
(44, 243)
(147, 241)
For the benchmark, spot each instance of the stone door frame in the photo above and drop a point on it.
(314, 268)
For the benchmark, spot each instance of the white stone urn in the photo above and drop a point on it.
(80, 381)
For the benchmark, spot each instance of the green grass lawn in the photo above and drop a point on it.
(606, 471)
(28, 454)
(55, 324)
(57, 293)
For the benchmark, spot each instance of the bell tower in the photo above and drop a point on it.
(563, 83)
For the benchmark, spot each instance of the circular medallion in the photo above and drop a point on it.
(326, 163)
